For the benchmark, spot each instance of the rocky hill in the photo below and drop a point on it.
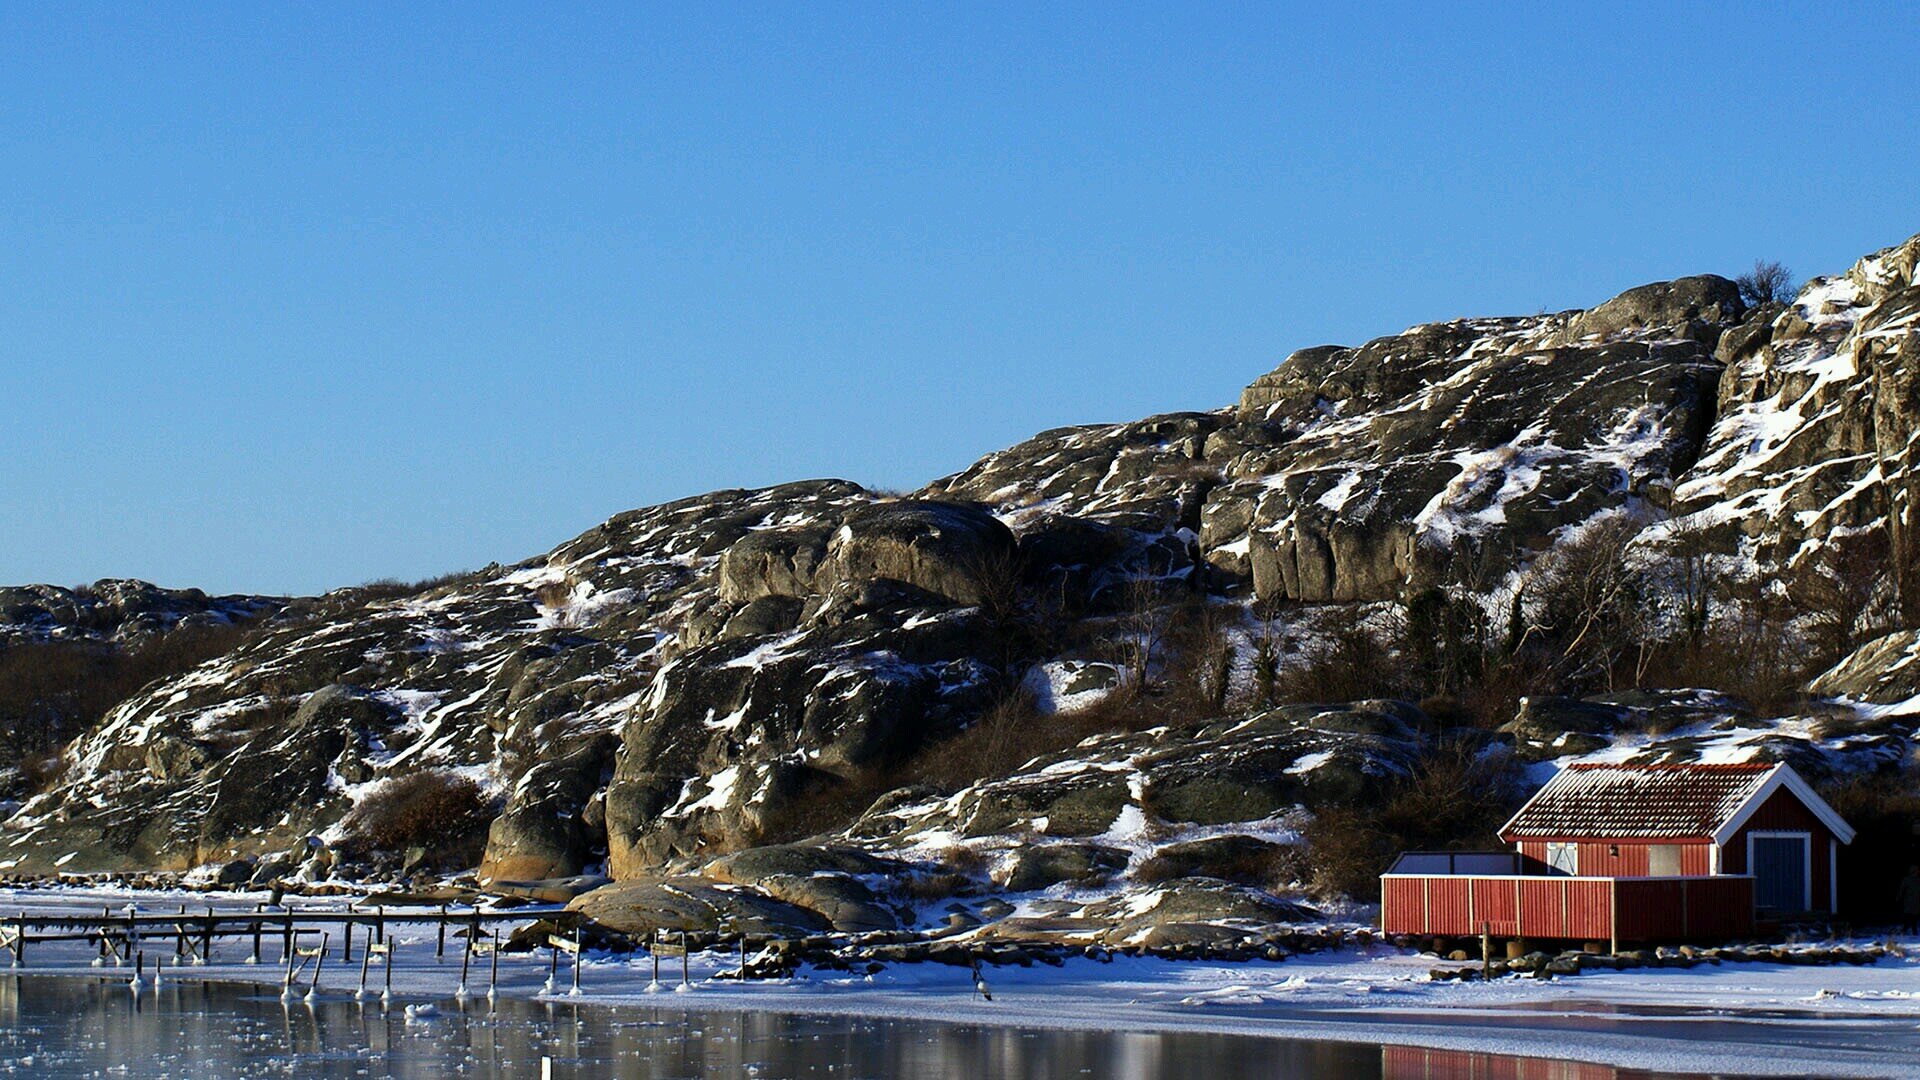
(1205, 656)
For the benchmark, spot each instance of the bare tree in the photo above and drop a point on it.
(1587, 603)
(1844, 591)
(1767, 283)
(1143, 626)
(1266, 652)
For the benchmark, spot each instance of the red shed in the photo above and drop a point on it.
(1635, 852)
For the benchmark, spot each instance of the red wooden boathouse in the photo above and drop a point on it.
(1618, 853)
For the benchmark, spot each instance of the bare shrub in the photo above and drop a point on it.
(939, 885)
(1198, 652)
(1349, 665)
(962, 859)
(1019, 620)
(1455, 801)
(396, 588)
(418, 810)
(1768, 282)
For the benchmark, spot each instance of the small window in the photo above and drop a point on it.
(1563, 858)
(1663, 860)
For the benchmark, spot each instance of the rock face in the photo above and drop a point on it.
(68, 655)
(1815, 424)
(778, 705)
(1884, 671)
(118, 612)
(1403, 455)
(543, 832)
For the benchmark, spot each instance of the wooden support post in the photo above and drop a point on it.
(466, 958)
(286, 938)
(1486, 952)
(346, 942)
(684, 979)
(206, 940)
(257, 920)
(1613, 917)
(386, 986)
(440, 938)
(493, 970)
(1519, 933)
(380, 923)
(576, 961)
(319, 962)
(365, 959)
(553, 963)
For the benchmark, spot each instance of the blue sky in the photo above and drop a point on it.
(294, 299)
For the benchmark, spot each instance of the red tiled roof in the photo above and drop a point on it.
(1666, 801)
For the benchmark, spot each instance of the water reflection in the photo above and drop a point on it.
(73, 1028)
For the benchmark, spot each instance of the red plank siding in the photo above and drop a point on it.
(1782, 812)
(1569, 909)
(1592, 910)
(1417, 1063)
(1623, 857)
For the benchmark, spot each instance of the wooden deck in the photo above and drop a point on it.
(1615, 910)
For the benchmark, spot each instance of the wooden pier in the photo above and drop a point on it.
(117, 934)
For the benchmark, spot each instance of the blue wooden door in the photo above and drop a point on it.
(1780, 873)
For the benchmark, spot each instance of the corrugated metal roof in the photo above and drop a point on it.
(1653, 801)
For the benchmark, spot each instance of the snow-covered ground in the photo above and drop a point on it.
(1755, 1019)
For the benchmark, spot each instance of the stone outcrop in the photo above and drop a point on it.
(711, 698)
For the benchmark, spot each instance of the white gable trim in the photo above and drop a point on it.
(1779, 777)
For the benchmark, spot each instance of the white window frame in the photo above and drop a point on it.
(1806, 852)
(1571, 852)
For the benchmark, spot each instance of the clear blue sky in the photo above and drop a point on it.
(291, 300)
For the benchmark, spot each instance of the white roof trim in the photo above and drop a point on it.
(1782, 776)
